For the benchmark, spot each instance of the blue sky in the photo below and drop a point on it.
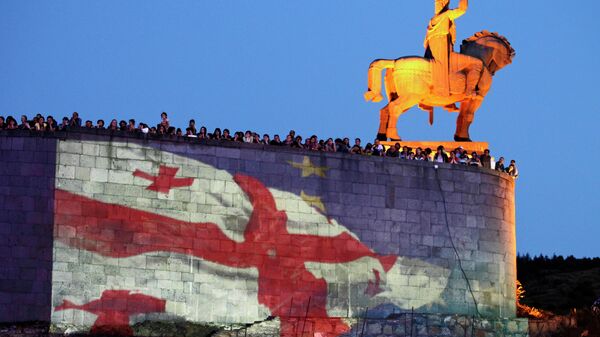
(271, 66)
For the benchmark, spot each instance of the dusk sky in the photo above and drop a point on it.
(271, 66)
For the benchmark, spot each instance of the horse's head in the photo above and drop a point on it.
(493, 49)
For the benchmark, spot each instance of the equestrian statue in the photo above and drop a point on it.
(443, 77)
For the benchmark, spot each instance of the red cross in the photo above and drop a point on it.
(285, 285)
(165, 180)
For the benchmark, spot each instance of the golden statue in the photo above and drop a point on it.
(441, 78)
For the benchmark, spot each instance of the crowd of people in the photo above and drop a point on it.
(164, 129)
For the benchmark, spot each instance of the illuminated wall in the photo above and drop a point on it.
(162, 231)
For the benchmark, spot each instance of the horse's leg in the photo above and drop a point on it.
(462, 126)
(374, 79)
(384, 115)
(390, 85)
(396, 108)
(465, 118)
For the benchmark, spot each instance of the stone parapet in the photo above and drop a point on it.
(370, 234)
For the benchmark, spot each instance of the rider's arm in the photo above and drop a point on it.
(460, 11)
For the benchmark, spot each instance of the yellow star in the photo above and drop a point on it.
(313, 200)
(308, 168)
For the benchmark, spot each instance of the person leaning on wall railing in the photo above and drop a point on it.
(40, 124)
(512, 169)
(356, 148)
(100, 124)
(440, 155)
(192, 127)
(378, 149)
(297, 144)
(266, 140)
(226, 135)
(164, 120)
(453, 158)
(393, 151)
(313, 143)
(9, 124)
(486, 159)
(24, 123)
(276, 141)
(131, 126)
(113, 125)
(75, 121)
(500, 165)
(474, 160)
(51, 124)
(329, 145)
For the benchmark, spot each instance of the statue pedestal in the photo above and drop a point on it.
(448, 146)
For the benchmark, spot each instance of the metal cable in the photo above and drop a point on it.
(437, 178)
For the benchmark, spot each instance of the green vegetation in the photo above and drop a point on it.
(559, 284)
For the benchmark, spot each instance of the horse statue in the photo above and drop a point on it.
(408, 82)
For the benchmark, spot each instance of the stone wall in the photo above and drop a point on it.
(408, 324)
(27, 171)
(413, 325)
(231, 233)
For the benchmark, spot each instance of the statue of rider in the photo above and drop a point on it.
(439, 48)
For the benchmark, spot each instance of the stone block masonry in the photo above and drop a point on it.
(227, 233)
(27, 174)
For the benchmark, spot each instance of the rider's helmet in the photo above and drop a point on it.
(440, 5)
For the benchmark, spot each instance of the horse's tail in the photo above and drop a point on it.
(374, 90)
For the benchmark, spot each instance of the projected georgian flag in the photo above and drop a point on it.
(214, 246)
